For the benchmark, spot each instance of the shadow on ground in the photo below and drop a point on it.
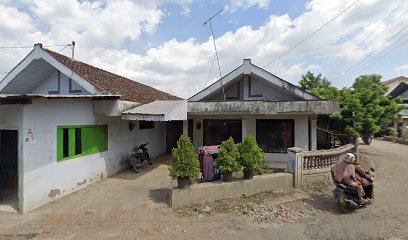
(160, 195)
(323, 202)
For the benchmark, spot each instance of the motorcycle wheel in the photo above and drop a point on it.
(137, 165)
(343, 206)
(149, 161)
(367, 140)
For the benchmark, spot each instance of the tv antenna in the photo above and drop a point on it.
(209, 21)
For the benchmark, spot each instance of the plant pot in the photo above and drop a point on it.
(227, 177)
(248, 173)
(183, 182)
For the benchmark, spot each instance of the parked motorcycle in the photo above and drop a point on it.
(140, 157)
(347, 199)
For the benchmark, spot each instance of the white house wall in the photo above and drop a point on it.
(249, 127)
(50, 84)
(45, 179)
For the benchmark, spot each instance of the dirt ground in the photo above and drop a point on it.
(134, 206)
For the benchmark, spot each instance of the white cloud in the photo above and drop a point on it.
(401, 68)
(182, 67)
(234, 5)
(186, 11)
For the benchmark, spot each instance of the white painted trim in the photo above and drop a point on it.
(218, 84)
(39, 53)
(281, 83)
(247, 68)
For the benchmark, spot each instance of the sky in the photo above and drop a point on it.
(164, 44)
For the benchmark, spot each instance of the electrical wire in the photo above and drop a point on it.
(352, 53)
(354, 67)
(25, 47)
(382, 55)
(312, 34)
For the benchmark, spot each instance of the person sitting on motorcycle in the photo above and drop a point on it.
(344, 172)
(367, 182)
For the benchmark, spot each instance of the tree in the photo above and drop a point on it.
(318, 86)
(365, 109)
(375, 110)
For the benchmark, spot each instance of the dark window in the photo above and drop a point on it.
(78, 141)
(275, 136)
(146, 124)
(65, 142)
(216, 131)
(191, 129)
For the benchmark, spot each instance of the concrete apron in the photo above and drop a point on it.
(212, 191)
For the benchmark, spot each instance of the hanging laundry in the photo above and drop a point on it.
(208, 167)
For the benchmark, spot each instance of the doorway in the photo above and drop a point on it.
(174, 129)
(9, 169)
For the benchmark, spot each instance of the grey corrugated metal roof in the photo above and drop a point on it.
(155, 108)
(166, 110)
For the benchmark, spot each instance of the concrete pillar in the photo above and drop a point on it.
(313, 133)
(244, 128)
(295, 165)
(185, 127)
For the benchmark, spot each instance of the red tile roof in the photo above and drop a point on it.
(110, 83)
(401, 78)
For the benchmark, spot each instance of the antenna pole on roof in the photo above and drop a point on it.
(215, 47)
(73, 49)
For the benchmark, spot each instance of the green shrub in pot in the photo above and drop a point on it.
(227, 160)
(251, 157)
(184, 165)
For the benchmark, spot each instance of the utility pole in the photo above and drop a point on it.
(73, 49)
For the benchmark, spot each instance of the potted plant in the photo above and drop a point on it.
(184, 165)
(251, 157)
(227, 160)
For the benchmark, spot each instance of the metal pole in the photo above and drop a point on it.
(73, 49)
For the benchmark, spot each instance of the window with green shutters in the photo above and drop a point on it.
(78, 141)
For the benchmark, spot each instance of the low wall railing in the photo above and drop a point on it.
(302, 163)
(324, 158)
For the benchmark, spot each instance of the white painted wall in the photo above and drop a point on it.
(301, 130)
(51, 84)
(42, 172)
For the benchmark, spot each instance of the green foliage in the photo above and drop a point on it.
(375, 110)
(405, 133)
(392, 131)
(228, 156)
(318, 86)
(365, 109)
(251, 155)
(184, 160)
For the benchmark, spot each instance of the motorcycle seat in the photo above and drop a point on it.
(347, 188)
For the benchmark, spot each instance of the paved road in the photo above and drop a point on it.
(132, 206)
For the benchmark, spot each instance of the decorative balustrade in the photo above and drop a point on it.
(324, 158)
(304, 163)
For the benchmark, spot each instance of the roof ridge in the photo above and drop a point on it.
(100, 82)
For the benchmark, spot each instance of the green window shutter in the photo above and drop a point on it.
(71, 142)
(59, 143)
(100, 138)
(94, 139)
